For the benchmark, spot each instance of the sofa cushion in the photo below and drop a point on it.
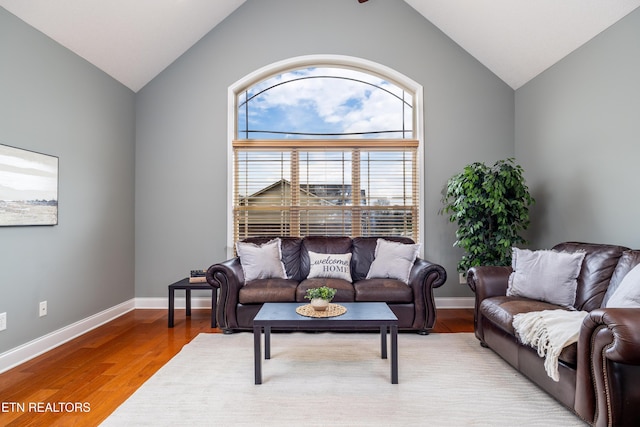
(261, 261)
(364, 249)
(628, 292)
(321, 245)
(597, 270)
(500, 311)
(393, 260)
(544, 275)
(290, 248)
(268, 290)
(383, 290)
(335, 266)
(345, 292)
(627, 262)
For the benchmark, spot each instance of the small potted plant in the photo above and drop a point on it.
(320, 297)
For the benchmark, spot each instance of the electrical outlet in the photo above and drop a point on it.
(3, 321)
(43, 308)
(462, 279)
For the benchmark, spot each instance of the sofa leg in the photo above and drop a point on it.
(483, 344)
(423, 332)
(227, 331)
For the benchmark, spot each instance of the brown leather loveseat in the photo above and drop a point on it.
(599, 376)
(412, 303)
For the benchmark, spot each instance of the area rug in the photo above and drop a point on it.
(339, 379)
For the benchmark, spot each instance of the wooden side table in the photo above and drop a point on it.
(188, 287)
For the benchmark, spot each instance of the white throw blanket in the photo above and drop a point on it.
(549, 331)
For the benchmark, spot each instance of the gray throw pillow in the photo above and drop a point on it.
(545, 275)
(332, 266)
(393, 260)
(628, 292)
(261, 261)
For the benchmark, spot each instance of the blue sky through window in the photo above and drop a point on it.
(321, 103)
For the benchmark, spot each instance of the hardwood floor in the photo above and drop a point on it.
(81, 382)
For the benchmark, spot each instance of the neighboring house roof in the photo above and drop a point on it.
(281, 183)
(327, 194)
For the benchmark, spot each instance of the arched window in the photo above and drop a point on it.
(325, 149)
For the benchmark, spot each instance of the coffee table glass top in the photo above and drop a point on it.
(356, 311)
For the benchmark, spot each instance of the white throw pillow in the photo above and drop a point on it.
(545, 275)
(628, 292)
(393, 260)
(331, 266)
(261, 261)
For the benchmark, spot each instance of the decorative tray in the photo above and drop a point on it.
(331, 311)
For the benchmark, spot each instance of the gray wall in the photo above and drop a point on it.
(578, 138)
(54, 102)
(576, 133)
(181, 116)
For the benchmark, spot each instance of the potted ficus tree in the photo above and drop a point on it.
(491, 207)
(320, 297)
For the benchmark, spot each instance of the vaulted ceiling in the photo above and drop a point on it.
(134, 40)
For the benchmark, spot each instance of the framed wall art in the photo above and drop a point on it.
(28, 187)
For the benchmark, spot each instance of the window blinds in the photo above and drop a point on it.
(325, 187)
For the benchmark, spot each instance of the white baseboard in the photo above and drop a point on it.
(34, 348)
(455, 302)
(180, 302)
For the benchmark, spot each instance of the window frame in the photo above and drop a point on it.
(354, 63)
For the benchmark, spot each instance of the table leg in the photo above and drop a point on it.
(188, 297)
(383, 342)
(267, 342)
(171, 306)
(257, 357)
(394, 354)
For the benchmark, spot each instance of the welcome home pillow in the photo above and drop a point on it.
(261, 261)
(393, 260)
(628, 292)
(545, 275)
(331, 266)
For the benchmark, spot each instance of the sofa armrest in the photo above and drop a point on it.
(622, 344)
(229, 278)
(425, 276)
(609, 367)
(486, 282)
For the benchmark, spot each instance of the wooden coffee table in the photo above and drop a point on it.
(359, 316)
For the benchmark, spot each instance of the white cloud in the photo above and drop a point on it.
(339, 104)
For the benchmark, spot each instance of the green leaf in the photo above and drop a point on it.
(491, 207)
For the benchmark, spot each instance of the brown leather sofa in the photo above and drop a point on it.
(600, 374)
(413, 304)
